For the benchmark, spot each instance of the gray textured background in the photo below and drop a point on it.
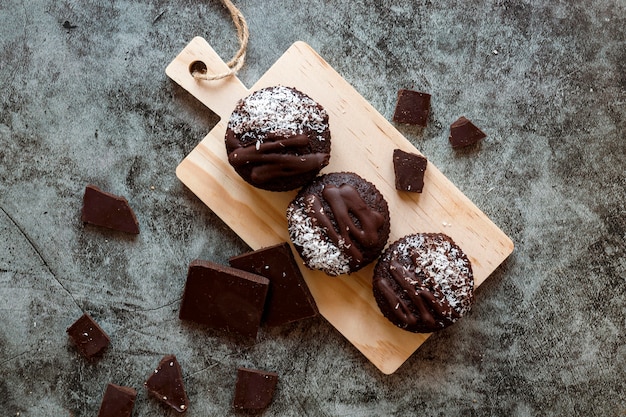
(546, 80)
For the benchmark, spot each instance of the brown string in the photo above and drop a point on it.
(243, 35)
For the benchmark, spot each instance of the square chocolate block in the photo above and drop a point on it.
(117, 401)
(224, 298)
(88, 337)
(254, 390)
(288, 297)
(409, 169)
(412, 108)
(165, 384)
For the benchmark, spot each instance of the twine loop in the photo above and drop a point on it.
(237, 61)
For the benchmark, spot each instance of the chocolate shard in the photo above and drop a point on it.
(409, 169)
(224, 298)
(166, 384)
(117, 401)
(412, 108)
(108, 210)
(254, 390)
(88, 336)
(464, 133)
(288, 298)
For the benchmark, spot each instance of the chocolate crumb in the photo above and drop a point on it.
(68, 25)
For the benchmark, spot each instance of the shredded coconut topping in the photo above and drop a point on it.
(318, 251)
(280, 110)
(445, 268)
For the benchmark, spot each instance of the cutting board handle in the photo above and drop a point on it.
(219, 95)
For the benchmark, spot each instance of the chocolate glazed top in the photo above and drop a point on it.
(423, 282)
(345, 202)
(269, 157)
(432, 311)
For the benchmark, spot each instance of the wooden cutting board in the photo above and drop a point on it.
(363, 142)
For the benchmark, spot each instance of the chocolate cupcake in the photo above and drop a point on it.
(338, 223)
(423, 282)
(277, 138)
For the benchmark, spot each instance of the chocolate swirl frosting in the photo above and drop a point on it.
(275, 157)
(423, 282)
(355, 221)
(421, 303)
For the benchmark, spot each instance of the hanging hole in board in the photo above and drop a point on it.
(197, 67)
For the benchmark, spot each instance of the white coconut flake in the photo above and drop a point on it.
(444, 269)
(279, 110)
(319, 252)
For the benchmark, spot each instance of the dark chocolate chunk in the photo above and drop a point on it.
(412, 108)
(224, 298)
(117, 401)
(288, 297)
(166, 384)
(107, 210)
(88, 337)
(409, 169)
(464, 133)
(254, 390)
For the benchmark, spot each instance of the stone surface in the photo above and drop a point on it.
(90, 103)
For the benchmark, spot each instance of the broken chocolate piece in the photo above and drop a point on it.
(412, 108)
(117, 401)
(464, 133)
(409, 169)
(254, 389)
(288, 297)
(107, 210)
(166, 384)
(224, 298)
(88, 337)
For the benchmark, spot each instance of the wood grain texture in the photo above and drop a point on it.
(362, 142)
